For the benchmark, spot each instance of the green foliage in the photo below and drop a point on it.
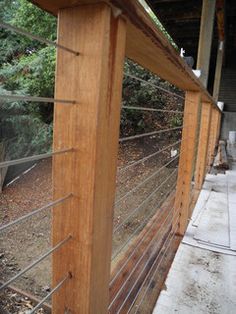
(139, 94)
(27, 68)
(158, 23)
(10, 43)
(33, 19)
(176, 121)
(32, 75)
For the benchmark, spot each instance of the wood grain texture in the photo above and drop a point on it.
(91, 126)
(187, 157)
(146, 44)
(221, 160)
(203, 145)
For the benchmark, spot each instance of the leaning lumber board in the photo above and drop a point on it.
(221, 160)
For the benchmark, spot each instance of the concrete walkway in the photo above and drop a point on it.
(202, 278)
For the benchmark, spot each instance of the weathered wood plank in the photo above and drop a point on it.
(187, 157)
(221, 160)
(91, 126)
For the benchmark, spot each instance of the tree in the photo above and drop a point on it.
(27, 68)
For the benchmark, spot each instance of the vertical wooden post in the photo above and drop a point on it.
(186, 162)
(213, 136)
(91, 127)
(218, 70)
(203, 145)
(218, 127)
(205, 39)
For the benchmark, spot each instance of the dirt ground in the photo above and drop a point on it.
(22, 243)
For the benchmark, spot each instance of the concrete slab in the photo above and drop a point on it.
(200, 206)
(212, 221)
(214, 191)
(202, 278)
(231, 178)
(202, 283)
(213, 226)
(232, 219)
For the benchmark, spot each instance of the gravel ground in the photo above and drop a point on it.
(22, 243)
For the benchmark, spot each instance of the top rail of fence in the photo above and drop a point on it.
(145, 44)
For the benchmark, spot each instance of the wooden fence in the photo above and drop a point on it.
(99, 35)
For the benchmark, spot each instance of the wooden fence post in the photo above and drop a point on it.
(213, 136)
(218, 127)
(203, 145)
(186, 162)
(91, 127)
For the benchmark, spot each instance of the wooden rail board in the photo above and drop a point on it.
(152, 233)
(146, 44)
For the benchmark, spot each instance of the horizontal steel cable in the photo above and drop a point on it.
(157, 87)
(34, 212)
(140, 257)
(33, 158)
(123, 168)
(146, 180)
(133, 137)
(139, 228)
(42, 257)
(36, 37)
(159, 216)
(35, 99)
(146, 264)
(153, 85)
(144, 202)
(159, 263)
(58, 286)
(152, 109)
(114, 255)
